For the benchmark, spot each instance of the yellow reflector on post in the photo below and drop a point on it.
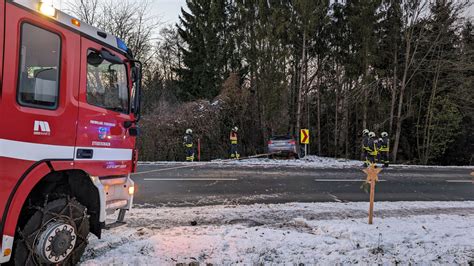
(47, 10)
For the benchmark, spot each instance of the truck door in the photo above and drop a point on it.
(104, 146)
(39, 88)
(38, 93)
(2, 28)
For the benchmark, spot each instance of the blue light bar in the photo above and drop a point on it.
(121, 45)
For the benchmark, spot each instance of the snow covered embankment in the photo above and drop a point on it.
(323, 233)
(306, 162)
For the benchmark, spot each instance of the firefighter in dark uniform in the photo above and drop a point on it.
(188, 144)
(372, 148)
(384, 150)
(365, 147)
(378, 144)
(234, 153)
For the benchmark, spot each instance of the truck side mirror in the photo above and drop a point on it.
(94, 59)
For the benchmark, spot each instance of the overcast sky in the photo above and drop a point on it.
(169, 10)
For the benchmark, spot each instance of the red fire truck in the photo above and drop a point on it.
(69, 105)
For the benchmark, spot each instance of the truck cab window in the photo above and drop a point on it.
(39, 67)
(107, 83)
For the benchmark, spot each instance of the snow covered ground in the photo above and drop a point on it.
(323, 233)
(306, 162)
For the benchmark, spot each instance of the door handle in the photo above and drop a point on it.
(85, 154)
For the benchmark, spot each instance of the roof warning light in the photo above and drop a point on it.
(121, 44)
(47, 9)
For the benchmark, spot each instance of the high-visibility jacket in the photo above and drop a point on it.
(188, 141)
(233, 137)
(365, 143)
(372, 147)
(384, 144)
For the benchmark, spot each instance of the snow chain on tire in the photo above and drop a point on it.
(56, 233)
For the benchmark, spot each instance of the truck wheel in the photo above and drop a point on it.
(55, 234)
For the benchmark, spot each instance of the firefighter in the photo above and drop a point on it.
(378, 144)
(372, 148)
(234, 153)
(365, 146)
(384, 143)
(188, 144)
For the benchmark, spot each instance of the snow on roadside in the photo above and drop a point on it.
(306, 162)
(310, 233)
(309, 161)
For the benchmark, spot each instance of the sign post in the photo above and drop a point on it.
(304, 139)
(372, 178)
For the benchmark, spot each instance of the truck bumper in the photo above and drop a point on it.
(6, 248)
(115, 194)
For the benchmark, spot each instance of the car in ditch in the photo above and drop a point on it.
(285, 146)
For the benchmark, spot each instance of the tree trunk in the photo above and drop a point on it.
(336, 118)
(318, 109)
(427, 138)
(346, 119)
(400, 100)
(366, 91)
(394, 93)
(302, 85)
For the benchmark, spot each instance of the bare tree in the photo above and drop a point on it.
(131, 21)
(169, 55)
(85, 10)
(412, 12)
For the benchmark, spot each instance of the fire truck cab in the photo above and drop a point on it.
(69, 106)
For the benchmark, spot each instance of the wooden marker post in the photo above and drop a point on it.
(372, 178)
(199, 150)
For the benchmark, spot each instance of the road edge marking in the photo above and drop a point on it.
(190, 179)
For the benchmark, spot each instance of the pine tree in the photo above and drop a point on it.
(203, 32)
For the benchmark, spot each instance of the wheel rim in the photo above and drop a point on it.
(56, 242)
(31, 247)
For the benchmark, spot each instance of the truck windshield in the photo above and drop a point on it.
(107, 84)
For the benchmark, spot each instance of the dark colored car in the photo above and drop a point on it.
(283, 146)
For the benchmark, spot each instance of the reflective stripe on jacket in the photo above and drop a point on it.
(188, 141)
(372, 147)
(365, 143)
(385, 145)
(233, 138)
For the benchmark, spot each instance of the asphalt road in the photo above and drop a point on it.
(208, 184)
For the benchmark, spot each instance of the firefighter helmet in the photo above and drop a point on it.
(235, 129)
(371, 134)
(366, 131)
(384, 134)
(189, 131)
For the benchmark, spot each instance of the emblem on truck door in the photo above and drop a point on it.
(41, 128)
